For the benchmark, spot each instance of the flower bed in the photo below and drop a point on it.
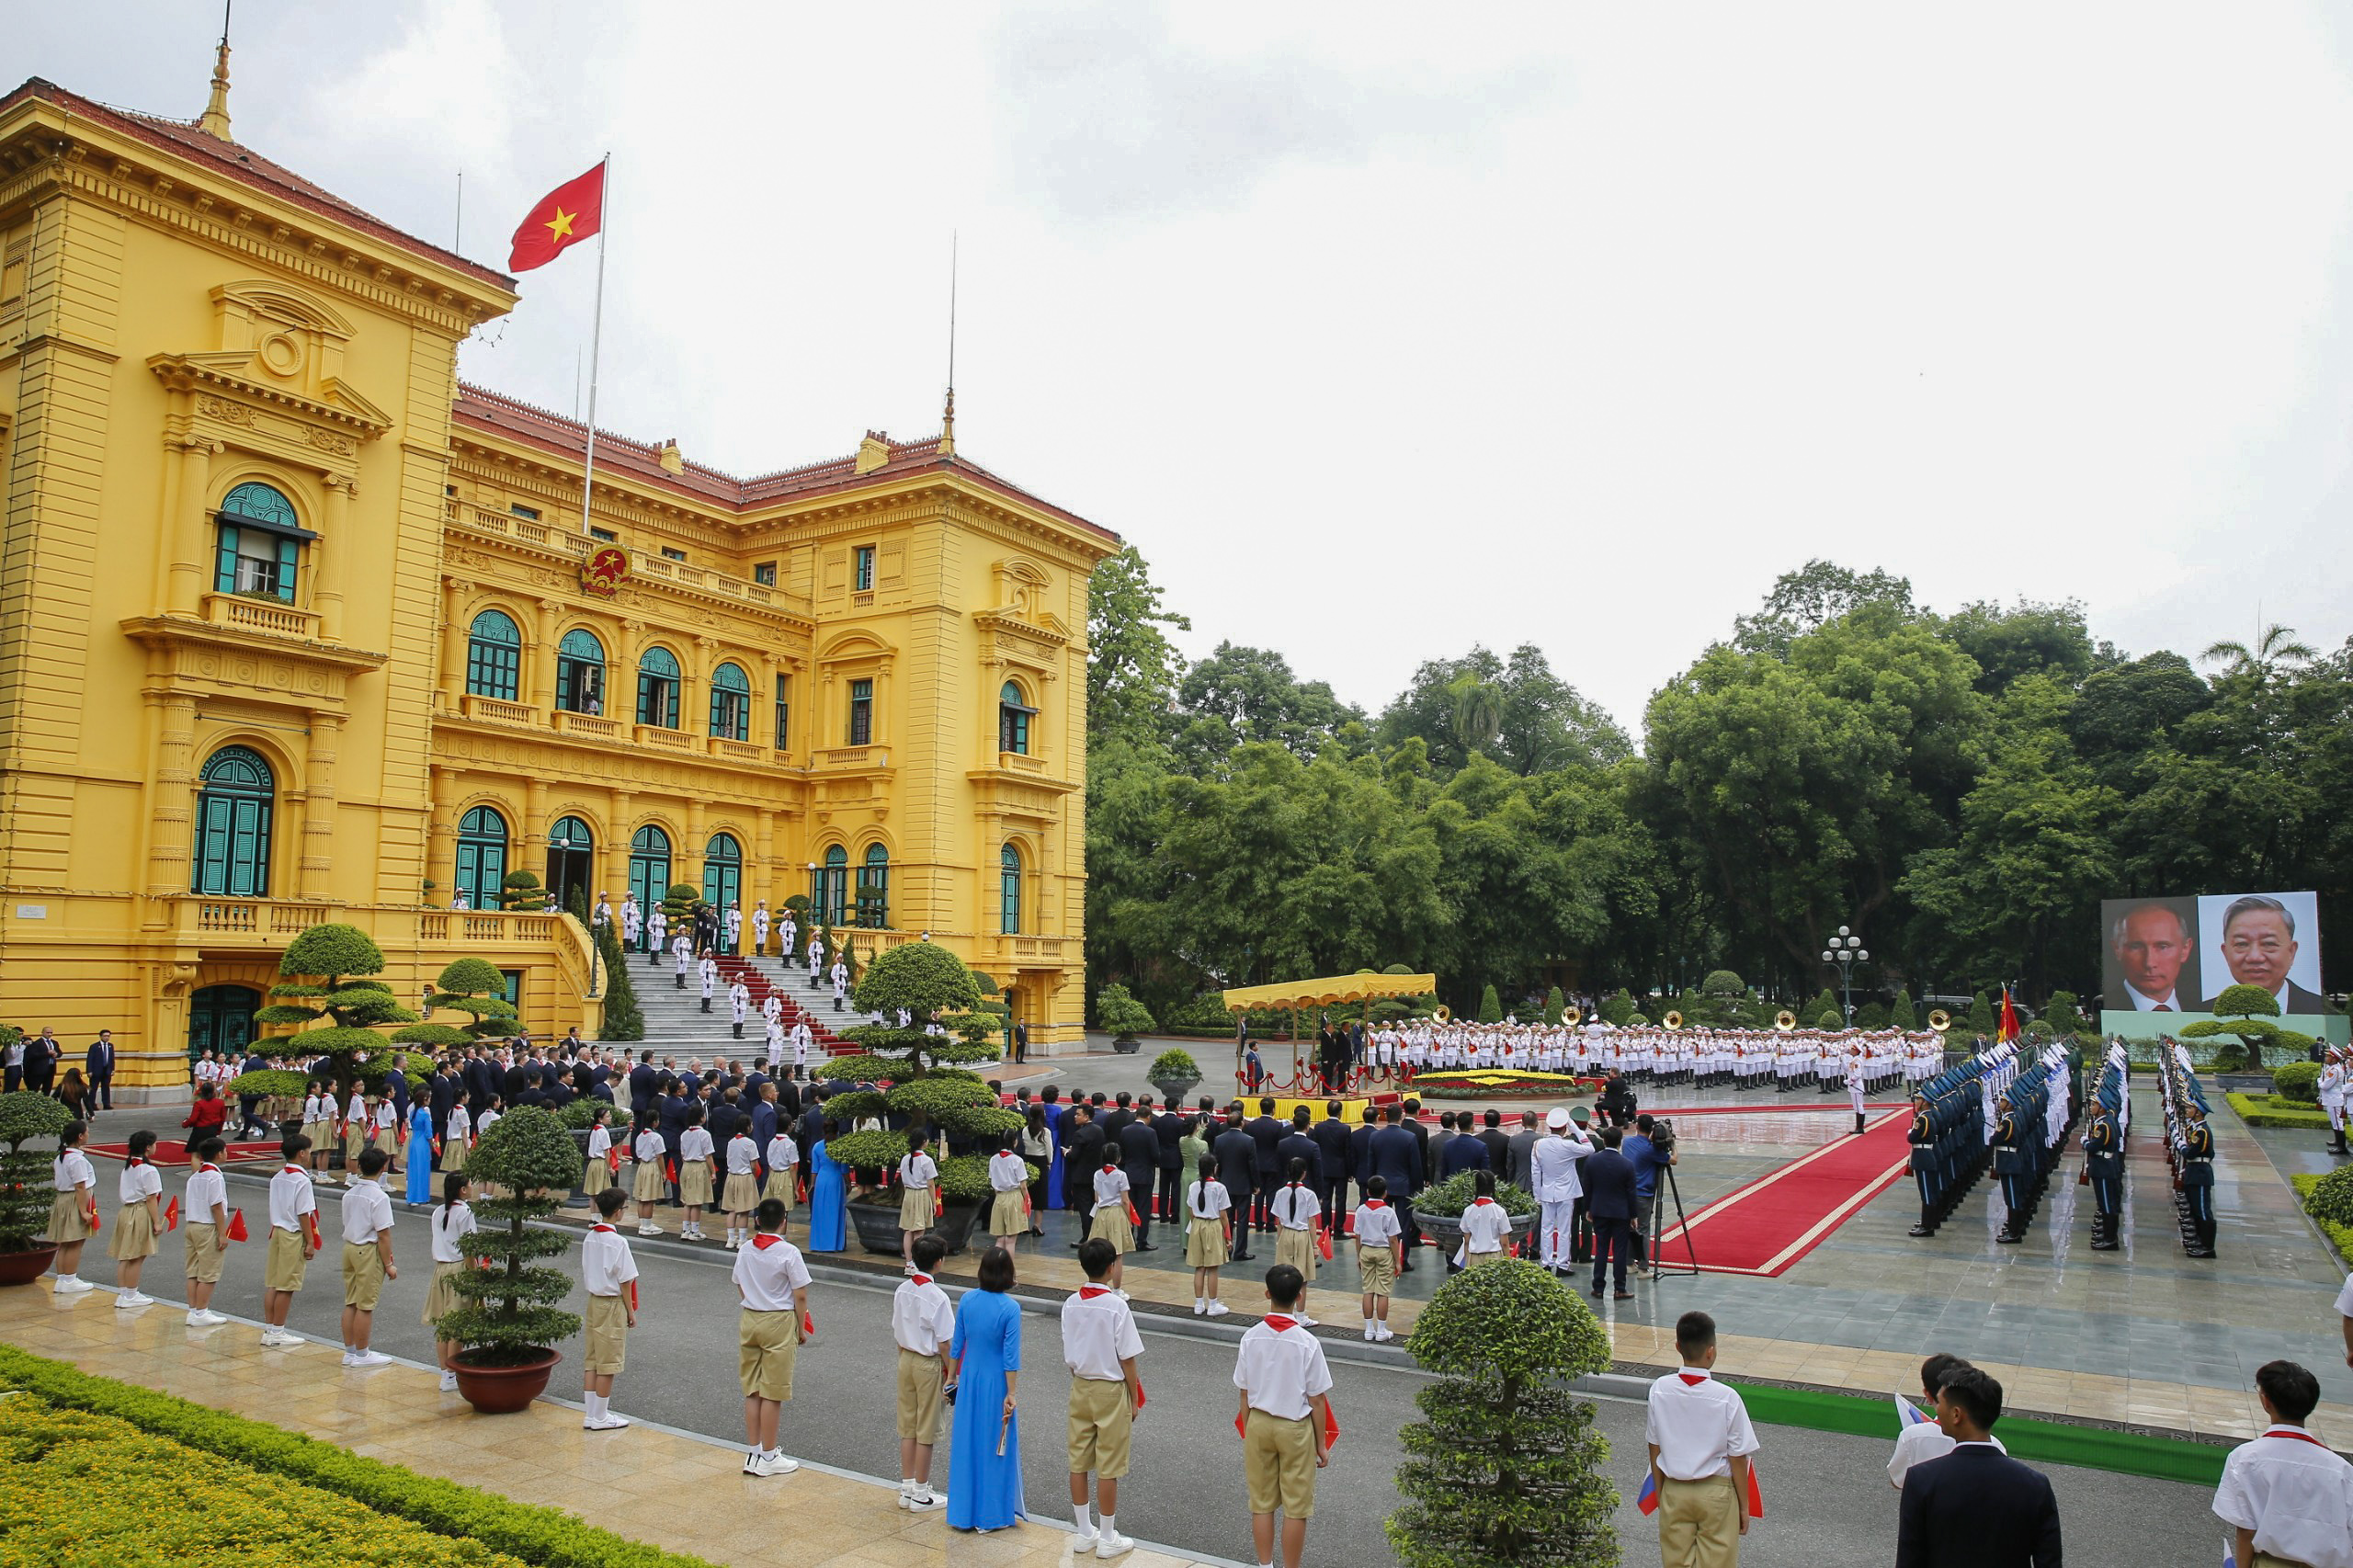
(1497, 1082)
(78, 1488)
(546, 1538)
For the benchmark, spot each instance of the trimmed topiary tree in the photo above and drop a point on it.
(466, 986)
(1828, 1019)
(1723, 983)
(1870, 1016)
(1904, 1012)
(2331, 1197)
(931, 983)
(1121, 1015)
(1491, 1006)
(2065, 1013)
(328, 989)
(1555, 1006)
(624, 1019)
(521, 889)
(2298, 1081)
(1506, 1466)
(1981, 1018)
(25, 1191)
(2245, 1013)
(509, 1316)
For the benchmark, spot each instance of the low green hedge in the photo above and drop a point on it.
(2271, 1110)
(546, 1537)
(2339, 1237)
(2297, 1081)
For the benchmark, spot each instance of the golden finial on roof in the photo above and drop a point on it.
(216, 109)
(947, 428)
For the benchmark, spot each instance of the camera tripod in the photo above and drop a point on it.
(1658, 1264)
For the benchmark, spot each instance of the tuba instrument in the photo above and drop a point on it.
(1785, 1020)
(1572, 1015)
(1940, 1020)
(1443, 1014)
(1673, 1020)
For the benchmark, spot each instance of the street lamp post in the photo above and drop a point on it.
(1845, 951)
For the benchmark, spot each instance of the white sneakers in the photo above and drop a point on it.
(448, 1382)
(609, 1422)
(649, 1230)
(1304, 1321)
(275, 1338)
(1217, 1310)
(773, 1462)
(370, 1358)
(1383, 1332)
(917, 1496)
(126, 1299)
(1110, 1543)
(204, 1317)
(72, 1284)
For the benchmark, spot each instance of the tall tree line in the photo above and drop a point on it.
(1962, 789)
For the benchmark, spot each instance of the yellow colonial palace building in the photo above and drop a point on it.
(296, 627)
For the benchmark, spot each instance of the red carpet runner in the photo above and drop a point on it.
(1764, 1228)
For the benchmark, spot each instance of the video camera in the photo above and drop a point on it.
(1663, 1135)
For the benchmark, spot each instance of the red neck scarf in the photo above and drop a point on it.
(602, 1230)
(919, 1280)
(290, 1170)
(1375, 1203)
(764, 1240)
(2284, 1430)
(1481, 1202)
(1280, 1323)
(207, 1166)
(1088, 1292)
(1693, 1379)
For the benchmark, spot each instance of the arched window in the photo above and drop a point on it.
(233, 811)
(731, 704)
(829, 887)
(723, 872)
(657, 688)
(580, 672)
(221, 1018)
(1008, 882)
(1013, 716)
(572, 862)
(649, 866)
(260, 545)
(494, 657)
(874, 888)
(482, 857)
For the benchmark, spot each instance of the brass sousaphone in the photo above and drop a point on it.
(1785, 1020)
(1673, 1020)
(1940, 1020)
(1443, 1014)
(1572, 1016)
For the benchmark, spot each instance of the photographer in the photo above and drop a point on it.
(1650, 1150)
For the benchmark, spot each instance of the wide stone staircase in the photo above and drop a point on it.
(675, 1023)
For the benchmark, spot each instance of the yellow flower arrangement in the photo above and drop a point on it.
(1477, 1082)
(79, 1489)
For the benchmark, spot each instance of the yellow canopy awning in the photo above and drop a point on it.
(1324, 993)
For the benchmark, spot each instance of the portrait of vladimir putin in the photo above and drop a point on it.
(2259, 943)
(2152, 957)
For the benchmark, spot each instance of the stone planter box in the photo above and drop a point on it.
(1174, 1092)
(876, 1225)
(1444, 1232)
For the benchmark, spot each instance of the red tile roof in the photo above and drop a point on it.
(182, 137)
(642, 461)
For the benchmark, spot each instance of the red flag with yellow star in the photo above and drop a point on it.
(573, 211)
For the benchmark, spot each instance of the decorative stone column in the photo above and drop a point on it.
(453, 641)
(334, 555)
(539, 661)
(442, 835)
(318, 818)
(190, 546)
(171, 802)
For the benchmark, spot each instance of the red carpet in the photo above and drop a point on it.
(1764, 1228)
(170, 1152)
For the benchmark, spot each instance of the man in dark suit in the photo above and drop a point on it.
(1237, 1167)
(1358, 1166)
(1120, 1114)
(1395, 1155)
(1139, 1158)
(1298, 1144)
(40, 1061)
(442, 1096)
(1976, 1508)
(98, 1066)
(1519, 1154)
(1608, 1179)
(1268, 1133)
(1461, 1152)
(481, 1083)
(641, 1079)
(1331, 1136)
(1498, 1144)
(1086, 1141)
(1168, 1127)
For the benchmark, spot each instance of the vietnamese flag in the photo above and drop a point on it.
(570, 213)
(237, 1225)
(2008, 1027)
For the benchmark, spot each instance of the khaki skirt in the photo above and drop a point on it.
(135, 1233)
(915, 1212)
(742, 1194)
(453, 1153)
(694, 1184)
(1007, 1214)
(597, 1177)
(647, 1185)
(68, 1220)
(1205, 1243)
(1111, 1224)
(321, 1134)
(439, 1297)
(1296, 1248)
(780, 1186)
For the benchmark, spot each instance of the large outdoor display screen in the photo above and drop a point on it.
(2164, 962)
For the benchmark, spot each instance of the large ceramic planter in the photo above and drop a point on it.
(1174, 1092)
(23, 1267)
(579, 1199)
(502, 1390)
(1445, 1231)
(1126, 1044)
(877, 1225)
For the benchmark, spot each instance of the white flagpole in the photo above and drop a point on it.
(596, 340)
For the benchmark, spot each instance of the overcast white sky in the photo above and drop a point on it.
(1384, 329)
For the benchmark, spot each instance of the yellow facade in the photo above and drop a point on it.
(247, 683)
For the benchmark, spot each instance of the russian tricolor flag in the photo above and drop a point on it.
(1908, 1414)
(1646, 1500)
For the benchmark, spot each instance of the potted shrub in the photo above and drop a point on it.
(508, 1326)
(281, 1090)
(1506, 1466)
(1438, 1210)
(923, 1077)
(1124, 1016)
(2244, 1014)
(1175, 1073)
(25, 1191)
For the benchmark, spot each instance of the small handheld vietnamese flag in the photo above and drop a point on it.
(1646, 1500)
(1131, 1213)
(1323, 1242)
(172, 1215)
(236, 1224)
(808, 1325)
(670, 1172)
(310, 1230)
(92, 1214)
(570, 213)
(630, 1285)
(613, 1161)
(939, 1204)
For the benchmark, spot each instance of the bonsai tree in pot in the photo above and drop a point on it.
(920, 1069)
(471, 986)
(25, 1191)
(1438, 1208)
(1175, 1073)
(281, 1090)
(329, 990)
(2245, 1013)
(521, 889)
(1122, 1015)
(1506, 1467)
(508, 1327)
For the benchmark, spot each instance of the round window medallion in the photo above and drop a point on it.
(281, 354)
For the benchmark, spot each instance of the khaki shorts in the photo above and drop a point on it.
(203, 1251)
(1100, 1420)
(604, 1338)
(1009, 1214)
(363, 1275)
(766, 1345)
(1377, 1269)
(1278, 1462)
(286, 1265)
(921, 1408)
(1476, 1258)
